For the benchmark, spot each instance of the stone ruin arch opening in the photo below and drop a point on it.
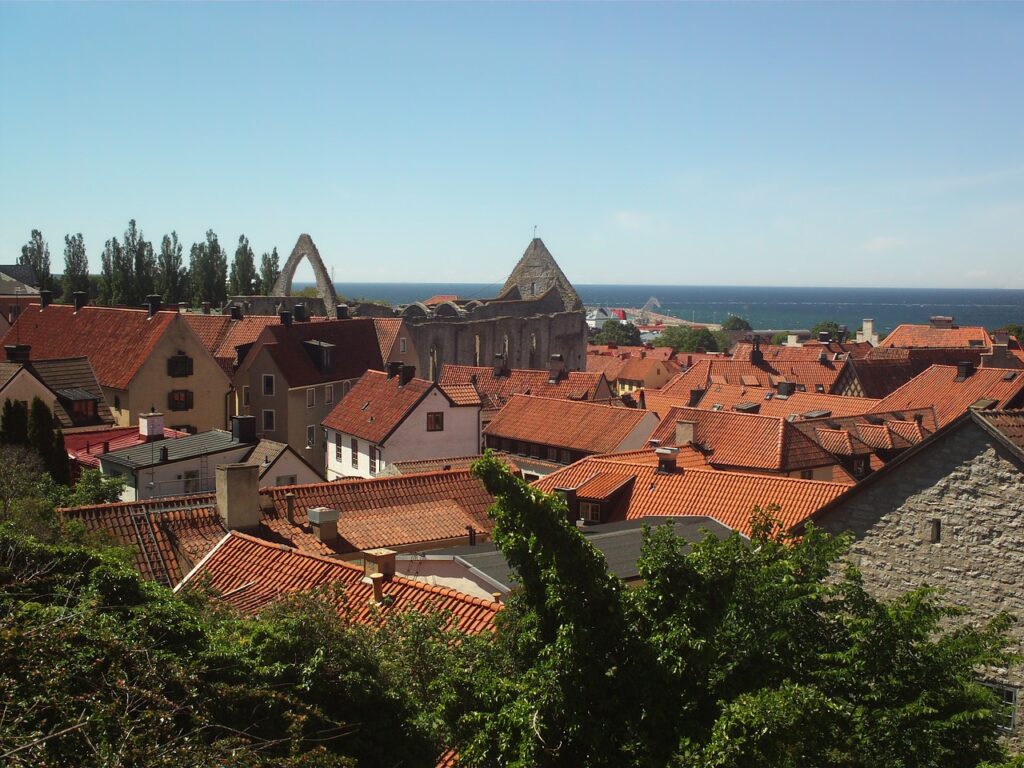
(305, 248)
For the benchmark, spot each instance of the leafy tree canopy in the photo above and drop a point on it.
(616, 332)
(736, 323)
(825, 325)
(684, 338)
(36, 254)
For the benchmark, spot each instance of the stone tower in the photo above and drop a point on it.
(535, 274)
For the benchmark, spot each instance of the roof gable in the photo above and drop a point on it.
(376, 405)
(537, 270)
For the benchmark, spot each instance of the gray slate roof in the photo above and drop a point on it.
(148, 454)
(23, 273)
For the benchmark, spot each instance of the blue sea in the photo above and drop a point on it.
(777, 308)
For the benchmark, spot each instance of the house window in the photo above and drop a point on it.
(859, 467)
(354, 446)
(1006, 713)
(117, 402)
(310, 435)
(268, 420)
(591, 512)
(311, 397)
(552, 454)
(435, 422)
(374, 459)
(337, 450)
(566, 457)
(179, 366)
(286, 480)
(936, 531)
(268, 384)
(245, 395)
(83, 410)
(401, 344)
(806, 474)
(329, 393)
(179, 400)
(345, 387)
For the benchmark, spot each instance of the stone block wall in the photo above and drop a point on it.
(974, 488)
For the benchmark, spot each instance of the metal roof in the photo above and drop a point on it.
(178, 449)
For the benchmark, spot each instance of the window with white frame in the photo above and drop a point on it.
(310, 435)
(268, 384)
(374, 459)
(354, 447)
(269, 420)
(591, 512)
(337, 449)
(245, 395)
(1006, 714)
(329, 393)
(401, 344)
(311, 397)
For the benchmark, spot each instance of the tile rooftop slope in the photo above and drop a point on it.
(155, 531)
(239, 333)
(607, 365)
(395, 511)
(116, 341)
(728, 497)
(729, 371)
(880, 377)
(452, 463)
(640, 368)
(440, 298)
(462, 394)
(911, 335)
(745, 440)
(179, 448)
(249, 573)
(86, 446)
(1008, 423)
(495, 391)
(840, 442)
(604, 350)
(358, 349)
(799, 403)
(211, 329)
(376, 405)
(859, 435)
(579, 426)
(809, 351)
(938, 387)
(387, 331)
(66, 374)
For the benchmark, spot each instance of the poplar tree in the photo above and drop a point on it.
(40, 431)
(14, 430)
(106, 286)
(208, 271)
(270, 270)
(171, 275)
(60, 466)
(140, 252)
(36, 254)
(243, 280)
(76, 267)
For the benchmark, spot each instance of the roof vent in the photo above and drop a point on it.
(407, 374)
(153, 303)
(1009, 376)
(786, 388)
(286, 317)
(824, 337)
(18, 353)
(556, 370)
(821, 414)
(45, 299)
(341, 311)
(79, 299)
(236, 312)
(964, 370)
(300, 313)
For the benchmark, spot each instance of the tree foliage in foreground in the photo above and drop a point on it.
(616, 332)
(732, 653)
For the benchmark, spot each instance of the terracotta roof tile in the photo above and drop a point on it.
(462, 394)
(249, 573)
(1009, 424)
(440, 298)
(578, 426)
(728, 396)
(910, 335)
(116, 341)
(495, 391)
(376, 405)
(387, 331)
(807, 352)
(655, 353)
(728, 497)
(809, 375)
(938, 387)
(642, 368)
(743, 440)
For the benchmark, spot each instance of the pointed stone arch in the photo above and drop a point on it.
(305, 248)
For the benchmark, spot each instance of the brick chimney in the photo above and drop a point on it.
(151, 426)
(238, 496)
(324, 522)
(686, 432)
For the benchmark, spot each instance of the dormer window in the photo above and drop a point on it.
(590, 511)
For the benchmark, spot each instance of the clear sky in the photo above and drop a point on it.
(728, 144)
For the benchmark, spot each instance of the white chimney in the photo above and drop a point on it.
(792, 340)
(151, 426)
(324, 522)
(238, 495)
(867, 332)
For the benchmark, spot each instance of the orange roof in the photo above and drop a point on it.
(495, 391)
(728, 497)
(238, 334)
(909, 335)
(867, 433)
(642, 368)
(249, 573)
(609, 365)
(116, 341)
(1009, 424)
(656, 353)
(387, 332)
(440, 298)
(810, 351)
(587, 427)
(810, 376)
(728, 396)
(744, 440)
(376, 405)
(938, 387)
(394, 511)
(462, 394)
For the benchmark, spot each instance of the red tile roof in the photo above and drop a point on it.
(644, 368)
(909, 335)
(495, 391)
(249, 573)
(578, 426)
(655, 353)
(607, 365)
(808, 375)
(1009, 424)
(743, 440)
(387, 331)
(772, 404)
(728, 497)
(938, 387)
(440, 298)
(808, 352)
(462, 394)
(376, 405)
(237, 333)
(86, 447)
(116, 341)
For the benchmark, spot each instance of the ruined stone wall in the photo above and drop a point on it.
(531, 341)
(974, 487)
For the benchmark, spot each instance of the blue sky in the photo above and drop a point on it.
(725, 144)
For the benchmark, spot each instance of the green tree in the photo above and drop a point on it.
(270, 270)
(736, 323)
(76, 267)
(122, 275)
(36, 254)
(780, 338)
(20, 469)
(15, 422)
(208, 271)
(825, 325)
(244, 280)
(60, 465)
(1015, 329)
(171, 275)
(40, 431)
(687, 339)
(93, 487)
(615, 332)
(140, 252)
(105, 289)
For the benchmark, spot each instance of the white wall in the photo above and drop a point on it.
(166, 476)
(289, 464)
(411, 441)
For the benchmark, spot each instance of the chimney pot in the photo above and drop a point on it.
(289, 504)
(666, 460)
(300, 313)
(236, 312)
(408, 373)
(151, 426)
(153, 301)
(79, 299)
(341, 311)
(380, 560)
(286, 317)
(964, 370)
(394, 368)
(377, 580)
(496, 597)
(45, 299)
